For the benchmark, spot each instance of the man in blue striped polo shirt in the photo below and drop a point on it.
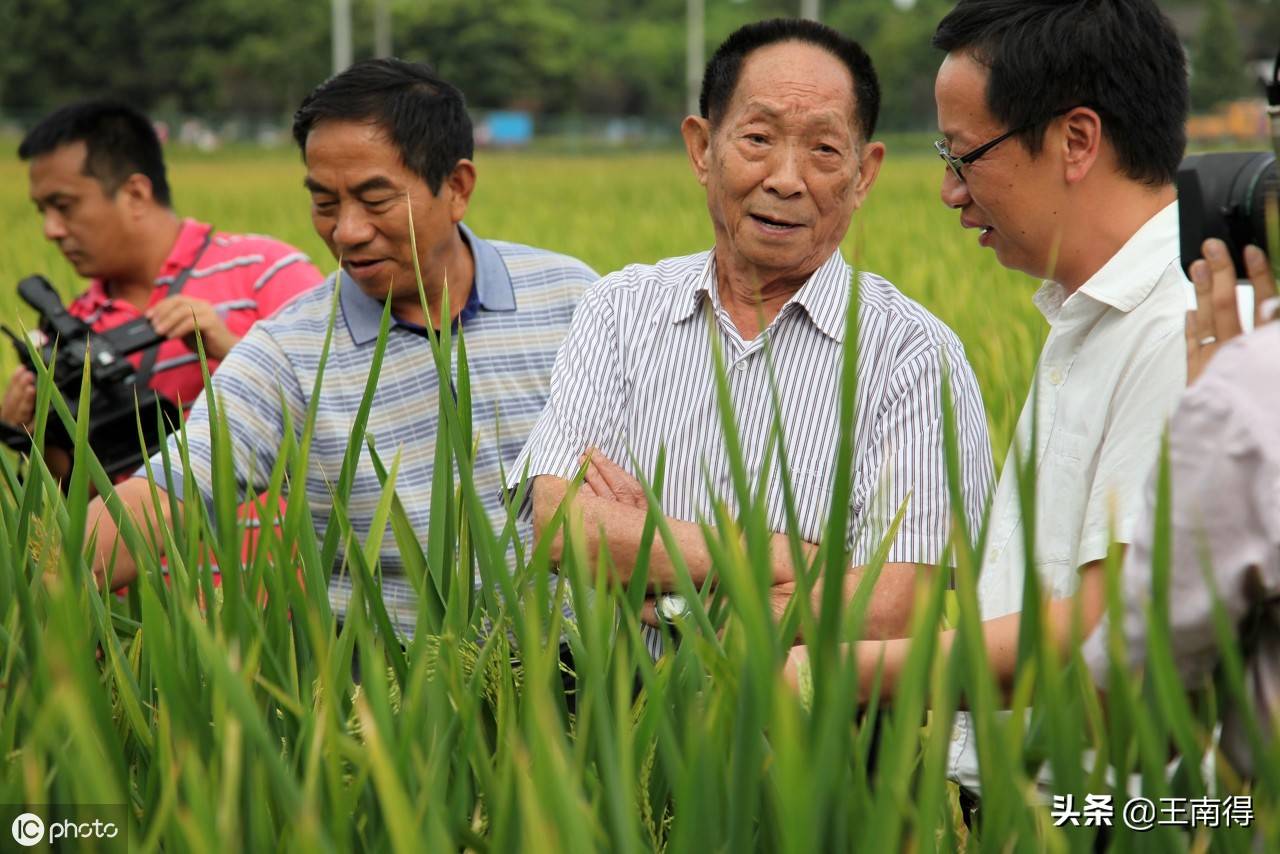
(783, 149)
(384, 140)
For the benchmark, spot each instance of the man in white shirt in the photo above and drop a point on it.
(1062, 132)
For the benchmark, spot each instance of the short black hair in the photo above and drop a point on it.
(119, 142)
(725, 67)
(423, 115)
(1121, 58)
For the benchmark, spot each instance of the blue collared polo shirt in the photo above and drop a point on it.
(520, 308)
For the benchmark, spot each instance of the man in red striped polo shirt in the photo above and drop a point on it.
(97, 177)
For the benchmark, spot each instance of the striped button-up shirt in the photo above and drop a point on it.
(636, 374)
(523, 301)
(245, 277)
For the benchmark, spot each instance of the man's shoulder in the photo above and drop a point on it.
(302, 312)
(292, 337)
(644, 286)
(533, 266)
(886, 312)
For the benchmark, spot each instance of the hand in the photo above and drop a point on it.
(649, 611)
(1216, 318)
(180, 316)
(798, 674)
(19, 405)
(607, 479)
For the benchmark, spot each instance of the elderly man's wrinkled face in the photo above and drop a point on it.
(784, 167)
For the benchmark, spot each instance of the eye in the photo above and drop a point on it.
(323, 206)
(823, 148)
(756, 138)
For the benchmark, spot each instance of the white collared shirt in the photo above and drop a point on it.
(1111, 372)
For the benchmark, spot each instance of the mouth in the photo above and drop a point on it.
(360, 267)
(984, 231)
(773, 224)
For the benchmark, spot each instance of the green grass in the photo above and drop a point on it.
(229, 721)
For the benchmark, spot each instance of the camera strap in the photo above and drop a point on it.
(148, 363)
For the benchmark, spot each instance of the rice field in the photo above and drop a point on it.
(611, 211)
(228, 719)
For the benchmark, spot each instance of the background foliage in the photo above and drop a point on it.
(556, 57)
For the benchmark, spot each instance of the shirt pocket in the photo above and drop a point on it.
(811, 491)
(1062, 494)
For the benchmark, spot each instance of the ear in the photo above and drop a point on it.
(869, 162)
(1081, 143)
(460, 184)
(697, 142)
(136, 193)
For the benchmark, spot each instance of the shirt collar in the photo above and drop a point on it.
(191, 238)
(491, 290)
(824, 296)
(492, 283)
(1130, 275)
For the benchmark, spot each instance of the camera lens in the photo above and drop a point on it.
(1224, 195)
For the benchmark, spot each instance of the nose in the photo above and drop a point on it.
(352, 227)
(785, 178)
(54, 228)
(954, 192)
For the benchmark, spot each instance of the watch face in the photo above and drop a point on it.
(672, 606)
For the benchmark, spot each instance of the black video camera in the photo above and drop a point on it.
(115, 401)
(1226, 195)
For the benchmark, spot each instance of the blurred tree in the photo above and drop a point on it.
(619, 57)
(522, 53)
(1217, 65)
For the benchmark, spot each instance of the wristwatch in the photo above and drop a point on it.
(672, 607)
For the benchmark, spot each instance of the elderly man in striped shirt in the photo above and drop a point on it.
(783, 149)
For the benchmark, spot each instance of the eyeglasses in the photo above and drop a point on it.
(957, 163)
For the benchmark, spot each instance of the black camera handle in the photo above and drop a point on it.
(148, 364)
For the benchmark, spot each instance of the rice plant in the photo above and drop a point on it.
(228, 717)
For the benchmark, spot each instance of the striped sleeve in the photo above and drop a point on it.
(586, 400)
(906, 463)
(252, 385)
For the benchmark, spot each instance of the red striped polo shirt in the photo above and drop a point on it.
(244, 276)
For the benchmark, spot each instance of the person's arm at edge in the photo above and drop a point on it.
(133, 498)
(999, 635)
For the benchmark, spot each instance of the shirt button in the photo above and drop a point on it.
(1055, 376)
(741, 366)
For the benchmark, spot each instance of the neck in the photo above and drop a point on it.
(156, 236)
(752, 296)
(453, 266)
(1103, 225)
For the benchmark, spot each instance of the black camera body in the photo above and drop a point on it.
(69, 347)
(1230, 195)
(1225, 195)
